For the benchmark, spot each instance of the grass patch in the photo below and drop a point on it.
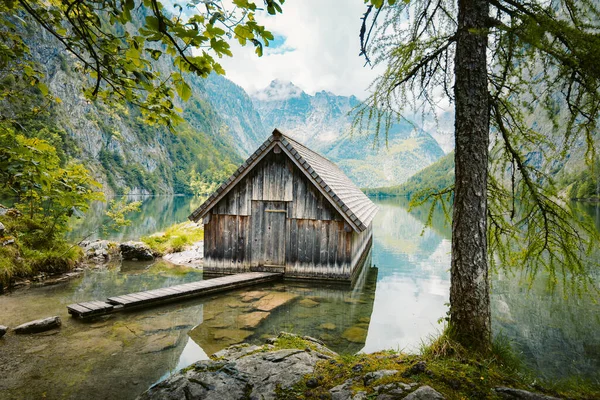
(22, 255)
(175, 238)
(444, 365)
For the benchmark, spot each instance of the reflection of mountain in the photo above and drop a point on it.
(403, 247)
(556, 336)
(156, 213)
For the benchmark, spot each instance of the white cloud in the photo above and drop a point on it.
(321, 50)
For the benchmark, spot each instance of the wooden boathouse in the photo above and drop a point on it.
(287, 209)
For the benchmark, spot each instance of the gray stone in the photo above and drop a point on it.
(425, 393)
(373, 376)
(283, 368)
(234, 352)
(98, 251)
(192, 256)
(137, 251)
(251, 373)
(394, 388)
(343, 391)
(8, 241)
(518, 394)
(3, 330)
(39, 325)
(360, 396)
(210, 380)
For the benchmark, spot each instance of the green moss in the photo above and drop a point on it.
(175, 238)
(448, 368)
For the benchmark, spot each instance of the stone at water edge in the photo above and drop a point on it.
(39, 325)
(3, 330)
(138, 251)
(518, 394)
(425, 393)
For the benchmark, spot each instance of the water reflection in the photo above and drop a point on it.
(396, 303)
(156, 213)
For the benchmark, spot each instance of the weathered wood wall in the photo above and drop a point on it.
(274, 214)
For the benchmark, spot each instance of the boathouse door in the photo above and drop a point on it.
(268, 231)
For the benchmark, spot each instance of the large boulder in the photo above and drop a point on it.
(425, 393)
(241, 373)
(136, 251)
(39, 325)
(99, 251)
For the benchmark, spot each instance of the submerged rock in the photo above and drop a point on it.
(518, 394)
(274, 300)
(327, 326)
(3, 330)
(39, 325)
(136, 251)
(355, 334)
(251, 320)
(308, 303)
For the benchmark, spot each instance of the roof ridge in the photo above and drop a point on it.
(357, 208)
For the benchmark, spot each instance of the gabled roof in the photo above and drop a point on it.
(354, 206)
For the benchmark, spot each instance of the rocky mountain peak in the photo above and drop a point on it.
(278, 90)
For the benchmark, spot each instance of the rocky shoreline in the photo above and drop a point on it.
(290, 367)
(104, 253)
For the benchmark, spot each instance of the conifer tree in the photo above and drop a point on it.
(502, 63)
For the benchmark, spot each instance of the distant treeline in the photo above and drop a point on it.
(581, 185)
(437, 176)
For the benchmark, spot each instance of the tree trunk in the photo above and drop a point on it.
(469, 288)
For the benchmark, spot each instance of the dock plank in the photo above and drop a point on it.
(169, 294)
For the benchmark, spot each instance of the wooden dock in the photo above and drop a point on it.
(169, 294)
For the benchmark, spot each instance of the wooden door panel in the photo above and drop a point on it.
(268, 225)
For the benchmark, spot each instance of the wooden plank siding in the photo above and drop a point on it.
(274, 216)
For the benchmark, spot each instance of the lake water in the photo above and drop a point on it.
(402, 294)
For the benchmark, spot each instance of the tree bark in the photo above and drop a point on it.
(469, 288)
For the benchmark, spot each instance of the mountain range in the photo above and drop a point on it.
(223, 125)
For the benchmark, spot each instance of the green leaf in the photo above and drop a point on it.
(183, 90)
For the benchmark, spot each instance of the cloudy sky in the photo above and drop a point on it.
(316, 48)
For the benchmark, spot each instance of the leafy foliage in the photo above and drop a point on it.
(47, 195)
(538, 60)
(122, 61)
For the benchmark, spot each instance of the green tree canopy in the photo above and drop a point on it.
(525, 84)
(119, 45)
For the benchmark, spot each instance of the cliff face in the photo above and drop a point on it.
(223, 125)
(220, 127)
(323, 123)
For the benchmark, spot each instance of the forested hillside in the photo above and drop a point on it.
(124, 153)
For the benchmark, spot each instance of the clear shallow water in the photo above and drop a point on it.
(402, 294)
